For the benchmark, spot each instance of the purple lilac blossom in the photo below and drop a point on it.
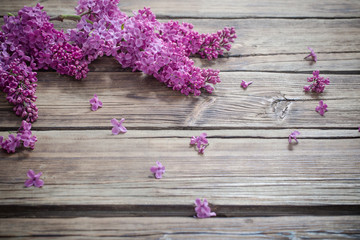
(202, 209)
(95, 103)
(23, 137)
(201, 142)
(30, 42)
(317, 83)
(293, 136)
(117, 126)
(158, 170)
(322, 108)
(142, 43)
(312, 55)
(244, 84)
(34, 179)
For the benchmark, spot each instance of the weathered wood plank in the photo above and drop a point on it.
(183, 228)
(213, 9)
(280, 36)
(273, 100)
(85, 168)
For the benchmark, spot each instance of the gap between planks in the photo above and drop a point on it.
(222, 211)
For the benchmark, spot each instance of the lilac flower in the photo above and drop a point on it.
(24, 136)
(34, 180)
(293, 136)
(244, 84)
(95, 103)
(322, 108)
(202, 209)
(312, 55)
(317, 83)
(200, 141)
(117, 126)
(158, 170)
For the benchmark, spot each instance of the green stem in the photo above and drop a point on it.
(68, 17)
(10, 14)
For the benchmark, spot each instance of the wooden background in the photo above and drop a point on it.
(99, 186)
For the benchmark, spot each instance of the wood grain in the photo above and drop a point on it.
(87, 168)
(274, 100)
(213, 9)
(183, 228)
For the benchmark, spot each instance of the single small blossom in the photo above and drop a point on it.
(117, 126)
(244, 84)
(200, 141)
(312, 55)
(202, 209)
(95, 103)
(34, 179)
(293, 136)
(158, 170)
(322, 108)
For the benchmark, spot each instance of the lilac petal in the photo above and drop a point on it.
(158, 174)
(122, 129)
(29, 182)
(38, 175)
(290, 138)
(153, 169)
(94, 107)
(159, 164)
(92, 101)
(31, 174)
(100, 104)
(38, 183)
(115, 130)
(198, 202)
(121, 120)
(296, 132)
(114, 122)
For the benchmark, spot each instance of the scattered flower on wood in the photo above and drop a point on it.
(23, 137)
(202, 209)
(34, 179)
(95, 103)
(158, 170)
(201, 142)
(312, 55)
(322, 108)
(117, 126)
(244, 84)
(293, 136)
(317, 83)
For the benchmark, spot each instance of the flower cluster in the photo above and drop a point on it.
(201, 142)
(202, 209)
(30, 42)
(317, 83)
(209, 45)
(24, 137)
(142, 43)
